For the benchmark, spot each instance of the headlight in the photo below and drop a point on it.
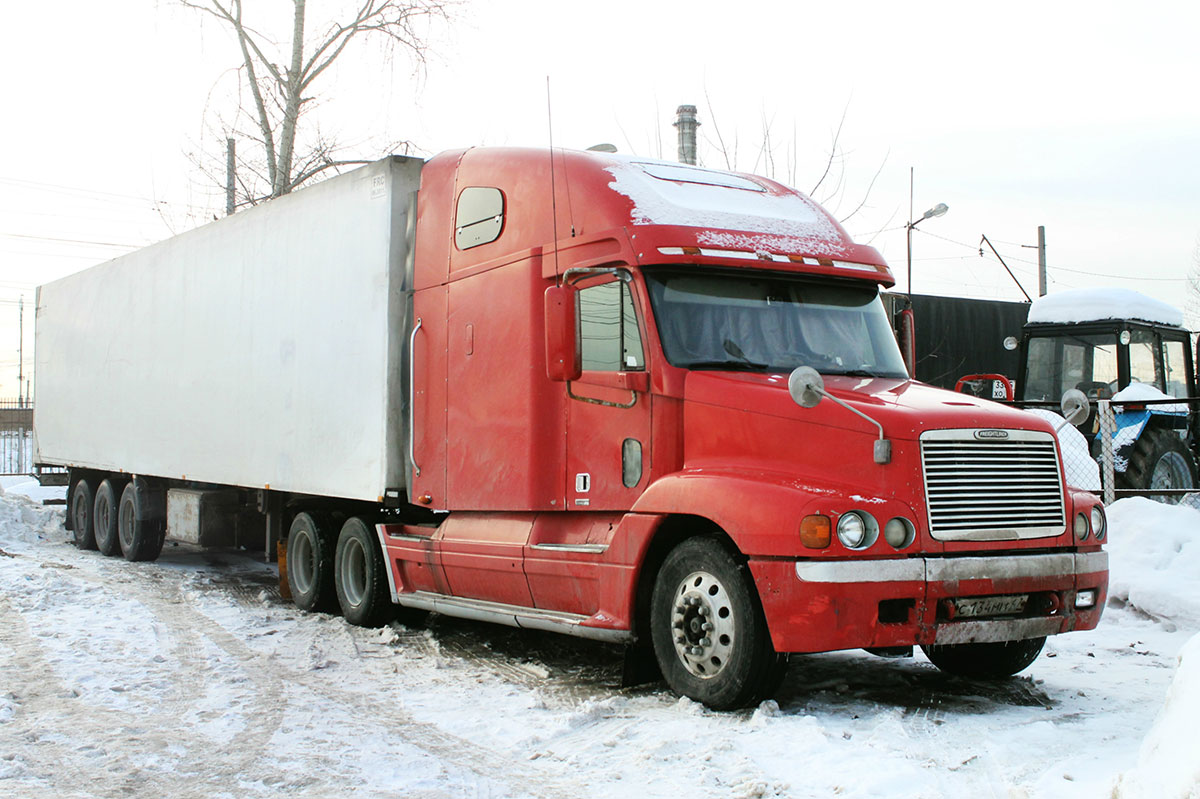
(1099, 523)
(1081, 526)
(899, 532)
(857, 529)
(851, 530)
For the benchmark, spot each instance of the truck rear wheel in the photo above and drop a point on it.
(83, 499)
(990, 661)
(310, 563)
(141, 522)
(360, 576)
(105, 511)
(1159, 460)
(709, 634)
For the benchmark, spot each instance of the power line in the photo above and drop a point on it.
(71, 241)
(1061, 268)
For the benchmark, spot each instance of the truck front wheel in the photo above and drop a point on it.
(310, 563)
(709, 634)
(362, 585)
(991, 661)
(82, 507)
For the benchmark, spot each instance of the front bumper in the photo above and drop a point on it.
(821, 606)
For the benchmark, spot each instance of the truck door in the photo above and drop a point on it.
(608, 407)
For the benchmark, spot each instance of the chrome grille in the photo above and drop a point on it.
(992, 485)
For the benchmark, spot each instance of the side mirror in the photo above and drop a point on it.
(806, 386)
(1075, 406)
(563, 359)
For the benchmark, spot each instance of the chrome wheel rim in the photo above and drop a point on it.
(302, 564)
(702, 625)
(354, 572)
(124, 524)
(1171, 471)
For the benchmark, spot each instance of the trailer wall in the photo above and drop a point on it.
(262, 350)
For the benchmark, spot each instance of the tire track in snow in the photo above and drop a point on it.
(166, 735)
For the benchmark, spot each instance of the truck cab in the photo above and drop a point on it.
(617, 422)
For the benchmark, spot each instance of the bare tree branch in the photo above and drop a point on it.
(833, 149)
(867, 193)
(281, 96)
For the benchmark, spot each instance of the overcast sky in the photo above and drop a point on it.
(1082, 117)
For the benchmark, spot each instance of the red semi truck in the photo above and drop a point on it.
(619, 398)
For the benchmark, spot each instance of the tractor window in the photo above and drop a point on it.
(1143, 367)
(1175, 368)
(1059, 363)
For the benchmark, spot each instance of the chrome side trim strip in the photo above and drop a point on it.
(591, 549)
(513, 616)
(388, 566)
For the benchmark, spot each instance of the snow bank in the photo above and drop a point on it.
(1154, 559)
(1089, 305)
(1168, 763)
(1082, 471)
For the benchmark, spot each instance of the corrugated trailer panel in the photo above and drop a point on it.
(261, 350)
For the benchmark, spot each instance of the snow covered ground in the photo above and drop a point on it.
(189, 677)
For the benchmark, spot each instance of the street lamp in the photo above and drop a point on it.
(937, 210)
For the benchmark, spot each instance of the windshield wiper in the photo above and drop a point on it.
(737, 366)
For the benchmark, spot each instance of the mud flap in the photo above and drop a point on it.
(639, 667)
(285, 591)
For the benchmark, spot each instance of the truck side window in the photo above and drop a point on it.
(480, 217)
(609, 336)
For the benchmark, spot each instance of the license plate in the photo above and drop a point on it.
(990, 605)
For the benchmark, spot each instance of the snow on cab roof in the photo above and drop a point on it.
(666, 193)
(1093, 305)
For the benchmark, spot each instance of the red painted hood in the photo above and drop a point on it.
(905, 408)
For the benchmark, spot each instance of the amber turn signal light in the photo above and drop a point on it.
(815, 531)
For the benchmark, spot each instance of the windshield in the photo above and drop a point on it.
(772, 322)
(1060, 362)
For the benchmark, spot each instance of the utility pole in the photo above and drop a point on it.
(1041, 260)
(230, 174)
(21, 352)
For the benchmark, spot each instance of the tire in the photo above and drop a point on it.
(1159, 460)
(83, 499)
(360, 576)
(141, 521)
(709, 634)
(105, 513)
(310, 563)
(992, 661)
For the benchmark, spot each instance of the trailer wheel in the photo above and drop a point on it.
(310, 563)
(83, 500)
(360, 576)
(709, 633)
(141, 522)
(990, 661)
(1159, 460)
(105, 514)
